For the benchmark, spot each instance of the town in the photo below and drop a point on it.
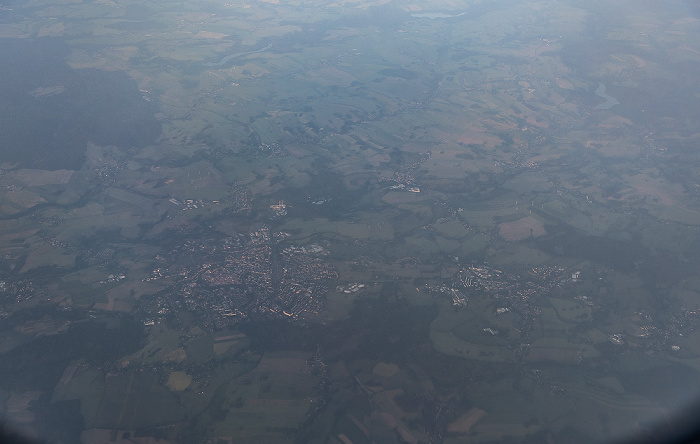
(227, 280)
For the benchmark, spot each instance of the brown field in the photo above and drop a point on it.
(521, 229)
(104, 436)
(464, 423)
(35, 178)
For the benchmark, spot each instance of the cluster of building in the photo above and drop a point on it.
(44, 220)
(275, 149)
(226, 280)
(350, 288)
(238, 201)
(459, 299)
(113, 278)
(18, 291)
(401, 186)
(405, 180)
(191, 204)
(650, 333)
(278, 210)
(514, 288)
(307, 249)
(107, 171)
(47, 237)
(304, 279)
(659, 332)
(514, 293)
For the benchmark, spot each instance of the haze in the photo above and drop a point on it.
(305, 221)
